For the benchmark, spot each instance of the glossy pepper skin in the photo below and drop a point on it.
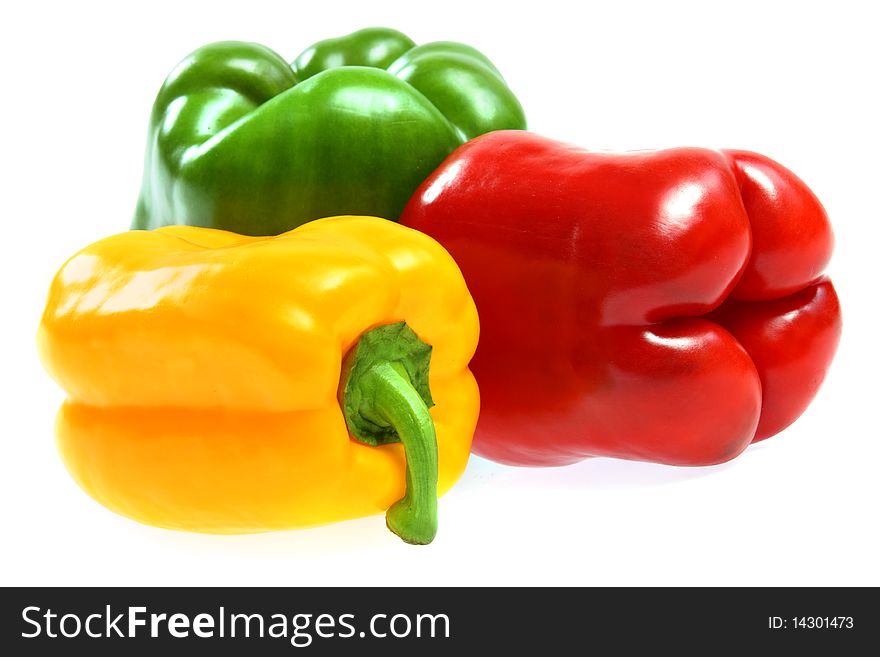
(204, 371)
(241, 140)
(664, 306)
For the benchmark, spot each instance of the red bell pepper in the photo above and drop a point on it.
(665, 306)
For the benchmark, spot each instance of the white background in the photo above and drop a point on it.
(795, 81)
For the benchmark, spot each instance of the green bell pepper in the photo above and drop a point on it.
(241, 140)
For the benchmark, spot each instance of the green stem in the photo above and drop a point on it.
(414, 516)
(385, 399)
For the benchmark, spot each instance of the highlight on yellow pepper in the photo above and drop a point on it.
(231, 384)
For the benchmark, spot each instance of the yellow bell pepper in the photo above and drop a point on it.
(229, 384)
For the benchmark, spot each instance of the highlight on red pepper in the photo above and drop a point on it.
(665, 306)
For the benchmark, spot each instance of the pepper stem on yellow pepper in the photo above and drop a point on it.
(385, 399)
